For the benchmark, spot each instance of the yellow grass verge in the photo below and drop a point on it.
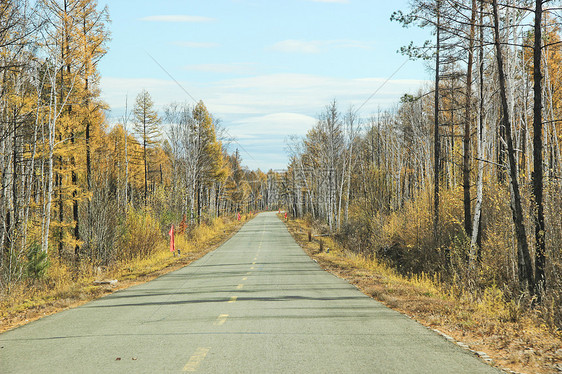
(65, 287)
(513, 338)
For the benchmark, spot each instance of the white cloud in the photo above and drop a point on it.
(316, 46)
(176, 18)
(276, 124)
(196, 44)
(307, 94)
(264, 94)
(116, 90)
(260, 111)
(296, 46)
(235, 68)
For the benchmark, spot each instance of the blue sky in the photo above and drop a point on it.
(265, 68)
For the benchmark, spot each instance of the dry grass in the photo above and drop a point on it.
(511, 335)
(65, 287)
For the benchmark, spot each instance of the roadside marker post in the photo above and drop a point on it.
(172, 241)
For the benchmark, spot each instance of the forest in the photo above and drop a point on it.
(460, 181)
(79, 193)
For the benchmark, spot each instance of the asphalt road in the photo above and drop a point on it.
(257, 304)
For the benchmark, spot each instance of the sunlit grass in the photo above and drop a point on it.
(67, 284)
(485, 319)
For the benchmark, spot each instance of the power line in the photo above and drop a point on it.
(196, 101)
(232, 138)
(382, 85)
(174, 79)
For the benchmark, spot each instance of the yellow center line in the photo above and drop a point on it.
(239, 287)
(252, 268)
(253, 263)
(221, 319)
(233, 299)
(245, 278)
(248, 273)
(196, 359)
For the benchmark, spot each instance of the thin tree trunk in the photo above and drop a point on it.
(436, 144)
(75, 215)
(125, 120)
(47, 210)
(344, 172)
(525, 270)
(145, 163)
(352, 140)
(30, 177)
(537, 177)
(467, 122)
(15, 200)
(476, 232)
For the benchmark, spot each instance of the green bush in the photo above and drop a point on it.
(37, 262)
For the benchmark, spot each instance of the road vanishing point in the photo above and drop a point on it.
(257, 304)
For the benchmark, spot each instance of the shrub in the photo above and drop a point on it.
(37, 262)
(141, 235)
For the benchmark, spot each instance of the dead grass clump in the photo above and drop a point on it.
(510, 332)
(141, 235)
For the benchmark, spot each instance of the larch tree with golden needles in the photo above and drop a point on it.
(93, 36)
(208, 152)
(77, 34)
(61, 44)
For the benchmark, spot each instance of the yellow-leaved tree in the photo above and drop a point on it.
(208, 158)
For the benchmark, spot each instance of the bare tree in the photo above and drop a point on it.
(147, 128)
(540, 250)
(524, 258)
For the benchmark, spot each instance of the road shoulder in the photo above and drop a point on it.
(22, 314)
(515, 347)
